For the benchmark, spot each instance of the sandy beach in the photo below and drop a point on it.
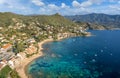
(21, 69)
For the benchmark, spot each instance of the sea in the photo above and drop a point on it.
(97, 56)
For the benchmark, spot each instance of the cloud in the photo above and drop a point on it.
(115, 7)
(114, 0)
(64, 6)
(2, 1)
(83, 4)
(112, 9)
(38, 2)
(49, 9)
(96, 1)
(86, 4)
(76, 4)
(53, 7)
(43, 7)
(63, 9)
(91, 2)
(15, 6)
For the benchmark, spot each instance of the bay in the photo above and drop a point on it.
(97, 56)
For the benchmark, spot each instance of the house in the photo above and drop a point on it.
(4, 61)
(21, 55)
(31, 40)
(6, 55)
(11, 64)
(15, 61)
(32, 49)
(6, 47)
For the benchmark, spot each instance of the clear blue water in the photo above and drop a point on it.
(97, 56)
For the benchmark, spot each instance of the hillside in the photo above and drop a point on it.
(92, 26)
(18, 30)
(42, 19)
(109, 21)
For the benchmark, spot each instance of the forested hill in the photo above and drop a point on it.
(56, 19)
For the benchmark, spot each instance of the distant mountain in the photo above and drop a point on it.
(109, 21)
(92, 26)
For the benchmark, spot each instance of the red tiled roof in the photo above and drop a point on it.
(6, 46)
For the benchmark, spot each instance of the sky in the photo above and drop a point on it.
(63, 7)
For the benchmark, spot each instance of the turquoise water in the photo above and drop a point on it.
(97, 56)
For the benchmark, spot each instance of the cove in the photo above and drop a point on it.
(97, 56)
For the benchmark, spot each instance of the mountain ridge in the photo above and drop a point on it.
(7, 17)
(109, 21)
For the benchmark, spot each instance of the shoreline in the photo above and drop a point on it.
(21, 69)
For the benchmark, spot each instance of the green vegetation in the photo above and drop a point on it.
(14, 74)
(18, 47)
(20, 30)
(7, 71)
(55, 20)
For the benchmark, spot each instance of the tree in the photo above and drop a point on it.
(18, 47)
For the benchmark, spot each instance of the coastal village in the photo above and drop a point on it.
(59, 38)
(8, 57)
(20, 40)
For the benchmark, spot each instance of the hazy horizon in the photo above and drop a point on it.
(56, 13)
